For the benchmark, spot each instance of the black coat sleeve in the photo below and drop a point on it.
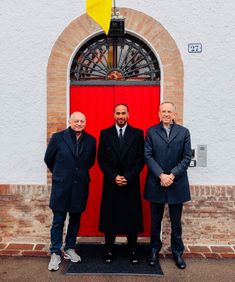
(93, 153)
(50, 154)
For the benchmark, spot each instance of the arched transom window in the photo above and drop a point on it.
(115, 58)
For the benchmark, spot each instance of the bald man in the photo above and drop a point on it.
(69, 156)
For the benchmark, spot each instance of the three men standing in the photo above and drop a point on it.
(167, 151)
(121, 159)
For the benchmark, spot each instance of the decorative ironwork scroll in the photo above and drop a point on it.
(115, 58)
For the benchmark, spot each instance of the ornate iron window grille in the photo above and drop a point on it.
(115, 59)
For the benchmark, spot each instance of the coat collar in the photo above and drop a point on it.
(128, 138)
(68, 140)
(162, 133)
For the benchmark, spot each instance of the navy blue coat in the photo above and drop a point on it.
(167, 156)
(121, 209)
(70, 176)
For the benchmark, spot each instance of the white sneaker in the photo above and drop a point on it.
(71, 255)
(54, 262)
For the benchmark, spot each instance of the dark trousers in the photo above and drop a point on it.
(175, 211)
(57, 231)
(110, 239)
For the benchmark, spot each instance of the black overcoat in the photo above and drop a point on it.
(167, 156)
(70, 175)
(121, 209)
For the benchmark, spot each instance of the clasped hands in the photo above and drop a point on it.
(120, 180)
(166, 179)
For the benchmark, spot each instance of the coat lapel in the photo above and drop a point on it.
(83, 143)
(114, 140)
(68, 140)
(128, 138)
(174, 132)
(161, 132)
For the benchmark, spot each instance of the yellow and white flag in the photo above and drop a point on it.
(100, 12)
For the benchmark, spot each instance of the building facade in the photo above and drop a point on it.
(193, 44)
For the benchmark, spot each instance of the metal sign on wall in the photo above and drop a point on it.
(195, 47)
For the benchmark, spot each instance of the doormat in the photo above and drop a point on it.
(92, 262)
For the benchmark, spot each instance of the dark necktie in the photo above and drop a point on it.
(120, 137)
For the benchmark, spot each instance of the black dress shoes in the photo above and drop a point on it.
(133, 257)
(108, 257)
(180, 263)
(153, 259)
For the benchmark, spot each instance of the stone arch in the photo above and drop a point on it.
(79, 30)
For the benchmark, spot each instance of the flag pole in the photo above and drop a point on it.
(114, 7)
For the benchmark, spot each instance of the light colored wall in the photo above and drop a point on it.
(28, 30)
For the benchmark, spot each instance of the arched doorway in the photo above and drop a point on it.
(74, 36)
(106, 71)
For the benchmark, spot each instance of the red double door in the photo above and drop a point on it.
(97, 103)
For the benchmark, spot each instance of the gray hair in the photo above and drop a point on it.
(168, 102)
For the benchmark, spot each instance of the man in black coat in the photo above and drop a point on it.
(168, 155)
(69, 156)
(121, 159)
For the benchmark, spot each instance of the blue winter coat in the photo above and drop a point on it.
(70, 175)
(167, 156)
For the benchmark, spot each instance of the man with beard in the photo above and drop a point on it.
(121, 159)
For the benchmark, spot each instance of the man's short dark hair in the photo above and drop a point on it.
(120, 105)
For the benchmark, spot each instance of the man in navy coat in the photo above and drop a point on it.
(121, 159)
(69, 156)
(168, 155)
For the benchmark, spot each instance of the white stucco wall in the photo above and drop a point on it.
(28, 30)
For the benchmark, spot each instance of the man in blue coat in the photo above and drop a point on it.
(69, 156)
(168, 155)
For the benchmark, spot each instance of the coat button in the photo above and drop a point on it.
(75, 181)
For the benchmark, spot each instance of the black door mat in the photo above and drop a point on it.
(92, 262)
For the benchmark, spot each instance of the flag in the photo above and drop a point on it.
(100, 12)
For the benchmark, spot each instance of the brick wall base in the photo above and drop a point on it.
(208, 221)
